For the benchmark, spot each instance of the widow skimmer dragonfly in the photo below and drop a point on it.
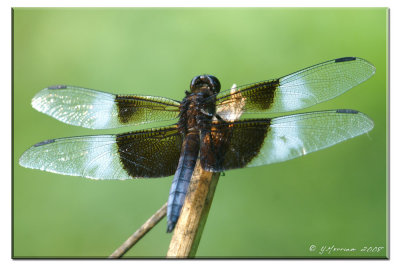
(208, 128)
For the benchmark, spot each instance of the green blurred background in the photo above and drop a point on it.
(336, 196)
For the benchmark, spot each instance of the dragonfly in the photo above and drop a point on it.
(207, 127)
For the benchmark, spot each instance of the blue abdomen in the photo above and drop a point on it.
(183, 174)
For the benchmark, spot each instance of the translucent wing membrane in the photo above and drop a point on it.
(301, 89)
(99, 110)
(149, 153)
(256, 142)
(229, 144)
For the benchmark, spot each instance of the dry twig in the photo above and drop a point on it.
(135, 237)
(189, 227)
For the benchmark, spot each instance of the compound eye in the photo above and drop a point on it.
(205, 81)
(195, 83)
(215, 84)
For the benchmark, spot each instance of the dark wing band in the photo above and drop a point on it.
(301, 89)
(250, 143)
(148, 153)
(99, 110)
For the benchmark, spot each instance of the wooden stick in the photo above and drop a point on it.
(190, 225)
(136, 236)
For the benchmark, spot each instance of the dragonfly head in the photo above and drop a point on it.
(205, 81)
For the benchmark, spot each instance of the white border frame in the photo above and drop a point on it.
(5, 109)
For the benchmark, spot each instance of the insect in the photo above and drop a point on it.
(208, 127)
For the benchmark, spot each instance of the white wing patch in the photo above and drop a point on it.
(319, 83)
(102, 118)
(292, 136)
(283, 143)
(294, 95)
(78, 106)
(232, 109)
(94, 157)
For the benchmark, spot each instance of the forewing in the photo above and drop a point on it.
(99, 110)
(301, 89)
(250, 143)
(148, 153)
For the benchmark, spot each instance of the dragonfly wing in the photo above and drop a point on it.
(147, 153)
(99, 110)
(256, 142)
(299, 90)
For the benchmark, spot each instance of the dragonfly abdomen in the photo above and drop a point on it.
(183, 174)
